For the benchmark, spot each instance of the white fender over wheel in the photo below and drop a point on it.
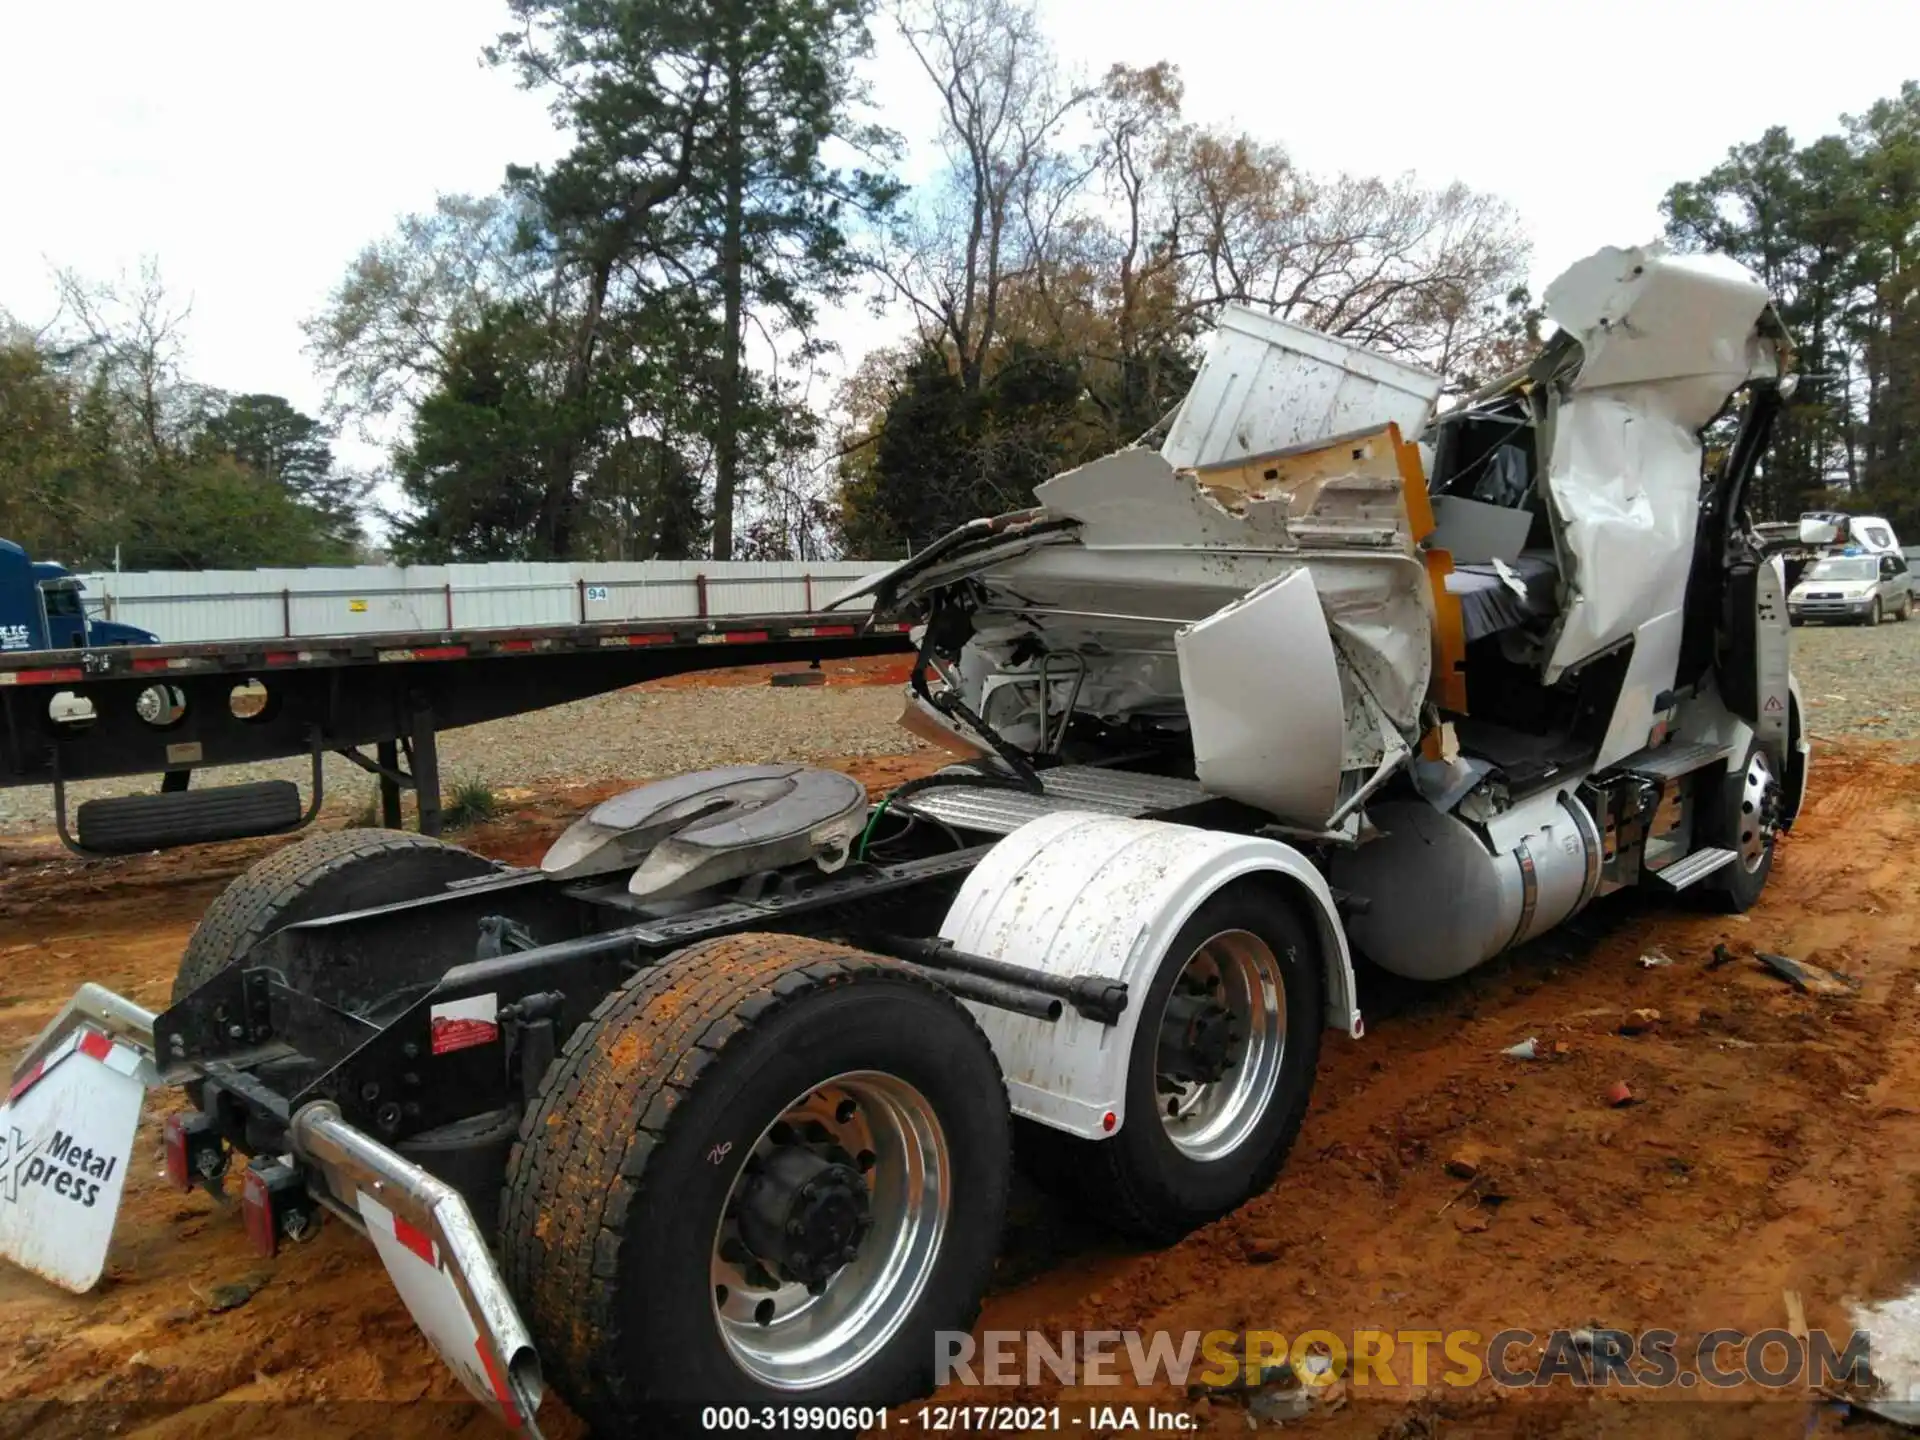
(1083, 895)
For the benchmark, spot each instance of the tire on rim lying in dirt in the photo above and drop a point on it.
(327, 874)
(1219, 1077)
(766, 1171)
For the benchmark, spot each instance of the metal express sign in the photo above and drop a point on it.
(63, 1165)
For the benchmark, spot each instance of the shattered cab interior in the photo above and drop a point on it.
(1317, 590)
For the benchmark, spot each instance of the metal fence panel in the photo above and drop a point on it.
(364, 599)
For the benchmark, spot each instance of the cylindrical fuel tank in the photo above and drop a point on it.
(1442, 897)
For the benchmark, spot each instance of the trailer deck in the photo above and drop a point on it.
(173, 709)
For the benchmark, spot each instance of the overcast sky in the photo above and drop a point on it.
(252, 148)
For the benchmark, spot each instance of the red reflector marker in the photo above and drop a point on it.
(175, 1132)
(256, 1208)
(21, 1085)
(414, 1238)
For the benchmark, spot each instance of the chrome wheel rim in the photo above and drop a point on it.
(1759, 812)
(780, 1331)
(1206, 1115)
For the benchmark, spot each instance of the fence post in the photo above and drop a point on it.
(700, 592)
(286, 613)
(580, 586)
(808, 579)
(448, 587)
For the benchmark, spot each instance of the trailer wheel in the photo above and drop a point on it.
(1747, 821)
(766, 1171)
(1221, 1070)
(326, 874)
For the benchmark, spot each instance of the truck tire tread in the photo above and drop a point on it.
(130, 824)
(609, 1102)
(266, 894)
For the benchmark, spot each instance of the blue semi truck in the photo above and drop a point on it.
(41, 609)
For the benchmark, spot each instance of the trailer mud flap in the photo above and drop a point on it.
(437, 1259)
(66, 1136)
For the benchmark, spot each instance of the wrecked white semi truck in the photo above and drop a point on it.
(715, 1108)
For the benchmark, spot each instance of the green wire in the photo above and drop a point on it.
(860, 852)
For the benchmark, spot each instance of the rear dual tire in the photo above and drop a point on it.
(660, 1139)
(1160, 1177)
(326, 874)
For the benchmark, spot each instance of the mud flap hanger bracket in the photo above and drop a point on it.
(436, 1256)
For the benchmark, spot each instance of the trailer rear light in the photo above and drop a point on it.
(274, 1202)
(196, 1155)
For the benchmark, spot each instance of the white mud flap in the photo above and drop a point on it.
(66, 1137)
(417, 1265)
(437, 1260)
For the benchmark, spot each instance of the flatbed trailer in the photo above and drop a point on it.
(173, 709)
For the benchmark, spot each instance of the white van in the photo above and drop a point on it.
(1831, 529)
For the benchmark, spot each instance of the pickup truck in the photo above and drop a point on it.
(709, 1117)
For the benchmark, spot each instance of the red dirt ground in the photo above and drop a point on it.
(1774, 1145)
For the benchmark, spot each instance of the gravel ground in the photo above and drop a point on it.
(632, 734)
(1858, 681)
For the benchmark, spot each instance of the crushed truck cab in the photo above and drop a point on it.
(714, 1107)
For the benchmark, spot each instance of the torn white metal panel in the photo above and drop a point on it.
(1154, 551)
(1894, 1328)
(1135, 498)
(1267, 385)
(1645, 315)
(1665, 339)
(1263, 691)
(1650, 672)
(1625, 485)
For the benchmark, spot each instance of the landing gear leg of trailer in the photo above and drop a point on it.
(388, 755)
(425, 759)
(416, 746)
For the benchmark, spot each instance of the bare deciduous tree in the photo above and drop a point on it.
(1387, 263)
(127, 333)
(1003, 108)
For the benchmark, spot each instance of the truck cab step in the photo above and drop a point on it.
(1670, 762)
(1696, 867)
